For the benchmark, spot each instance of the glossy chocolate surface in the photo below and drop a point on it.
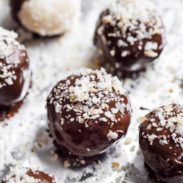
(17, 63)
(14, 70)
(15, 8)
(161, 141)
(87, 126)
(128, 46)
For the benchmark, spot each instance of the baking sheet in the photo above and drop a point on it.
(24, 139)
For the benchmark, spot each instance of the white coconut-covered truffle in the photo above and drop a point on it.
(48, 17)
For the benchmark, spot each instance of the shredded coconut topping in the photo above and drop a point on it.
(167, 118)
(136, 15)
(8, 45)
(91, 95)
(132, 20)
(112, 135)
(7, 74)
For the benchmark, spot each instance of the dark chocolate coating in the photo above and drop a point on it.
(15, 8)
(89, 137)
(161, 145)
(11, 94)
(39, 176)
(117, 53)
(16, 67)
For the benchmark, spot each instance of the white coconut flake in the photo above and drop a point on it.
(112, 135)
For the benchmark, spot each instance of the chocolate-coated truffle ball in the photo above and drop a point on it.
(45, 17)
(161, 141)
(23, 175)
(87, 112)
(14, 69)
(129, 35)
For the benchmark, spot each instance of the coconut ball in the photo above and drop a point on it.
(46, 17)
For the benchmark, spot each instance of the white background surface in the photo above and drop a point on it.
(52, 59)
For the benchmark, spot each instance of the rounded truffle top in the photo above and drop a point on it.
(9, 44)
(136, 19)
(23, 175)
(89, 93)
(133, 10)
(165, 127)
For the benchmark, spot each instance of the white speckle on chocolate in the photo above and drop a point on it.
(8, 43)
(112, 135)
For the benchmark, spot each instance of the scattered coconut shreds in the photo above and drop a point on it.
(53, 60)
(116, 166)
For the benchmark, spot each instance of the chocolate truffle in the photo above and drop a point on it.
(161, 141)
(129, 35)
(14, 69)
(87, 112)
(23, 175)
(45, 17)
